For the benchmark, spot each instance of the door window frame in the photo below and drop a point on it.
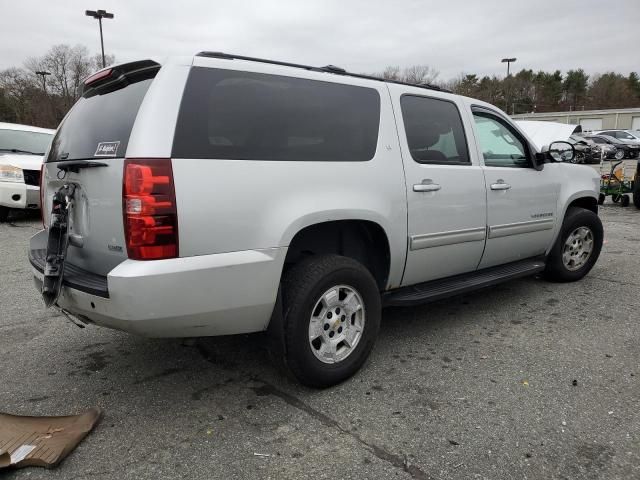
(464, 132)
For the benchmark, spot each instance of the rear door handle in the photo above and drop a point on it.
(500, 185)
(426, 186)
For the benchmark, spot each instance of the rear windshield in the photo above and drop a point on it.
(99, 125)
(228, 114)
(21, 141)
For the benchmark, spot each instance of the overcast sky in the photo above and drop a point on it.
(452, 36)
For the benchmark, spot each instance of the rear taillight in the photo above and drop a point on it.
(42, 186)
(149, 209)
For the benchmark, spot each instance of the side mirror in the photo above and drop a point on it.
(560, 151)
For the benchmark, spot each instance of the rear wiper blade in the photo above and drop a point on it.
(17, 150)
(76, 165)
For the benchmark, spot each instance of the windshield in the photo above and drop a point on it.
(20, 141)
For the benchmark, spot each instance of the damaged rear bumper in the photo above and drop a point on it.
(207, 295)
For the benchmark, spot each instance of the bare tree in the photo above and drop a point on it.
(391, 73)
(420, 74)
(68, 66)
(414, 74)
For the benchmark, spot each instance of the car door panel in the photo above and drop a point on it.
(446, 196)
(521, 200)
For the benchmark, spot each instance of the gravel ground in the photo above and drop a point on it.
(525, 380)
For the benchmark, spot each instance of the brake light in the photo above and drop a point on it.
(149, 209)
(42, 185)
(97, 76)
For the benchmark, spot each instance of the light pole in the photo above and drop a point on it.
(43, 74)
(508, 61)
(100, 14)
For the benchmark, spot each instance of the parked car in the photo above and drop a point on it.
(587, 151)
(21, 152)
(623, 149)
(631, 135)
(221, 194)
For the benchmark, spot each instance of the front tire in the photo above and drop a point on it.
(332, 313)
(4, 214)
(577, 247)
(625, 200)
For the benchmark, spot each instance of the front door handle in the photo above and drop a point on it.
(500, 185)
(427, 185)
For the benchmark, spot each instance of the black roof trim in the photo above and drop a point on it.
(327, 69)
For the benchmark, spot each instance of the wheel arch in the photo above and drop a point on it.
(587, 199)
(365, 241)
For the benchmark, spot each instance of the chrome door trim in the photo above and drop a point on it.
(428, 240)
(507, 229)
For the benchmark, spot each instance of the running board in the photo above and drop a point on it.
(468, 282)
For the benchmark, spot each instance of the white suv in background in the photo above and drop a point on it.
(22, 149)
(220, 194)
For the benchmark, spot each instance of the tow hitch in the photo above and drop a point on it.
(57, 244)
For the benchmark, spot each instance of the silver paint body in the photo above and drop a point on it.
(237, 218)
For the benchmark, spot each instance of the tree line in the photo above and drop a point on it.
(26, 97)
(528, 91)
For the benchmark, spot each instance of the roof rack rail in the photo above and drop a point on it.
(326, 69)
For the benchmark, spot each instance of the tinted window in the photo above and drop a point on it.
(598, 140)
(22, 141)
(227, 114)
(105, 117)
(500, 145)
(434, 130)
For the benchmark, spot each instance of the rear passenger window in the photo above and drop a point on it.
(229, 114)
(434, 130)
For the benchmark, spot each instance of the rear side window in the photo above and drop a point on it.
(234, 115)
(99, 125)
(434, 130)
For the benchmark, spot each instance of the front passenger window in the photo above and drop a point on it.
(500, 146)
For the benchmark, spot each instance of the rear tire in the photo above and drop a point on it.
(317, 292)
(567, 261)
(4, 214)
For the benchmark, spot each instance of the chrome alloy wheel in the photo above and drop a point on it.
(336, 324)
(577, 248)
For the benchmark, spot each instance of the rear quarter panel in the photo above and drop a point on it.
(233, 205)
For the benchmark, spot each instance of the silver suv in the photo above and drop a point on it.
(220, 194)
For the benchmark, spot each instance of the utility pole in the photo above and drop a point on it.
(508, 61)
(43, 74)
(100, 14)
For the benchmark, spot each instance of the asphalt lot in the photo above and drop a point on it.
(480, 386)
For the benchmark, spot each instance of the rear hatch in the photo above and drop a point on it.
(88, 151)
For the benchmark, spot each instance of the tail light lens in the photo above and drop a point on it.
(149, 209)
(42, 186)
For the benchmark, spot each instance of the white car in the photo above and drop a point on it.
(626, 136)
(543, 133)
(220, 194)
(22, 150)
